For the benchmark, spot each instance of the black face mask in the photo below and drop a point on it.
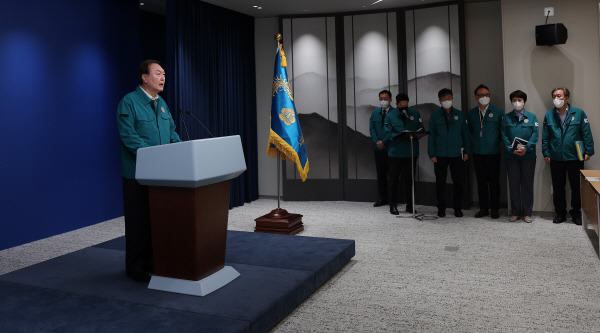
(404, 110)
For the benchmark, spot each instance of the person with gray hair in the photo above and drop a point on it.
(566, 143)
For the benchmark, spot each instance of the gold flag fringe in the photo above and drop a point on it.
(287, 153)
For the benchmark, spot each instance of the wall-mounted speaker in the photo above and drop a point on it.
(550, 34)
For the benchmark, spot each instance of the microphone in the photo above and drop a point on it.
(184, 125)
(198, 120)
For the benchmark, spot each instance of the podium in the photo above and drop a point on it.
(412, 136)
(590, 199)
(189, 187)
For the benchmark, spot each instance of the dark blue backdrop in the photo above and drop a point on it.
(65, 65)
(212, 75)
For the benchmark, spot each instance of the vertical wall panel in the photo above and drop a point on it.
(374, 57)
(351, 146)
(332, 101)
(433, 62)
(311, 71)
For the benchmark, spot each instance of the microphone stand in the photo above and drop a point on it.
(184, 125)
(414, 215)
(198, 120)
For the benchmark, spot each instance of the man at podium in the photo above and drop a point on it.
(397, 121)
(144, 120)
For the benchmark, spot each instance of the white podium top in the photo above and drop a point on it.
(191, 163)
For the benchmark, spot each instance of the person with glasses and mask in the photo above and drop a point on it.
(448, 145)
(397, 121)
(381, 155)
(484, 126)
(520, 132)
(566, 127)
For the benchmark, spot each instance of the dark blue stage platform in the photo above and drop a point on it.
(87, 291)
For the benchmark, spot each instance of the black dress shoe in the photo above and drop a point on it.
(481, 213)
(380, 203)
(495, 214)
(139, 276)
(409, 208)
(458, 213)
(577, 220)
(441, 213)
(394, 210)
(559, 219)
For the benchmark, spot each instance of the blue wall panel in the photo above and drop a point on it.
(65, 66)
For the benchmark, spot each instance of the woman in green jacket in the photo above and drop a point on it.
(520, 132)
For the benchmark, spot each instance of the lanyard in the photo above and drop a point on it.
(481, 120)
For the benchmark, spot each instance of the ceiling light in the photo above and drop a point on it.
(376, 2)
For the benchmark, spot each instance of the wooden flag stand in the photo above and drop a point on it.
(279, 221)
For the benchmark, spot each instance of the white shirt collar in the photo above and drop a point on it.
(484, 110)
(147, 94)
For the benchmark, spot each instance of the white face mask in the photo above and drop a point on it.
(447, 104)
(384, 104)
(484, 100)
(518, 105)
(558, 102)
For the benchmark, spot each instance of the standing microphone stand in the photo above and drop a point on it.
(184, 125)
(414, 215)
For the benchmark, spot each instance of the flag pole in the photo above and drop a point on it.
(278, 180)
(280, 221)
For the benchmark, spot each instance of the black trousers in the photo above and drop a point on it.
(400, 166)
(521, 173)
(381, 165)
(457, 172)
(138, 237)
(559, 170)
(487, 172)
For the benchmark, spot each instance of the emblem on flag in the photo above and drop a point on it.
(285, 134)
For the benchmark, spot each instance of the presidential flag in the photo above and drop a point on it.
(285, 135)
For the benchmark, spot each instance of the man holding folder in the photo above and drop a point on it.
(565, 128)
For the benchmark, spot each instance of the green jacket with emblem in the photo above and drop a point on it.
(376, 127)
(448, 139)
(140, 126)
(485, 140)
(559, 143)
(395, 123)
(527, 128)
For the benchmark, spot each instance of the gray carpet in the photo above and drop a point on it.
(446, 275)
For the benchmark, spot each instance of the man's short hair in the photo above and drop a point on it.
(565, 90)
(389, 93)
(481, 86)
(444, 92)
(401, 97)
(144, 68)
(518, 94)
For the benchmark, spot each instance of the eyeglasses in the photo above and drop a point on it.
(482, 95)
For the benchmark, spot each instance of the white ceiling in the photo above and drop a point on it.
(271, 8)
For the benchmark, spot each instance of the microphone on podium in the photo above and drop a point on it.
(198, 120)
(184, 125)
